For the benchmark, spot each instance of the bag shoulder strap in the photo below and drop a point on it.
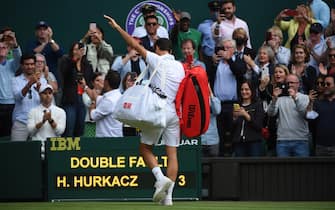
(146, 70)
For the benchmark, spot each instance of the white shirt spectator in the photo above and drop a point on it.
(227, 28)
(106, 124)
(36, 115)
(46, 131)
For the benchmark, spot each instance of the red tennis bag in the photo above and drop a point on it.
(192, 102)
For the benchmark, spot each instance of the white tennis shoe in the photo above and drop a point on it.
(161, 187)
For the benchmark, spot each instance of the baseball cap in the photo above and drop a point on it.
(45, 87)
(41, 24)
(316, 28)
(214, 5)
(185, 15)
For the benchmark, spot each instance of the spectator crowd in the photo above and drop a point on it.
(277, 99)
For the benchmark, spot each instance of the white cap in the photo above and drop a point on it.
(44, 87)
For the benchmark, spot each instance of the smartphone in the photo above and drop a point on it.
(93, 26)
(189, 59)
(265, 73)
(268, 36)
(291, 12)
(236, 107)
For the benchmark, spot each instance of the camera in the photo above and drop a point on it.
(222, 14)
(268, 36)
(79, 77)
(284, 87)
(218, 48)
(133, 76)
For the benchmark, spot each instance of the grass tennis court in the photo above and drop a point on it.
(178, 205)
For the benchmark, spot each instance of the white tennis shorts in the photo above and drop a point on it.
(170, 134)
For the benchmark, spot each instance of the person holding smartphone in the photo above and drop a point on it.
(8, 68)
(292, 132)
(247, 123)
(76, 71)
(188, 49)
(225, 89)
(98, 52)
(131, 62)
(227, 22)
(8, 35)
(297, 26)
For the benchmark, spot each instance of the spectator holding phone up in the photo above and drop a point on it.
(298, 26)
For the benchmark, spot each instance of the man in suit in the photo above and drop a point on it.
(151, 26)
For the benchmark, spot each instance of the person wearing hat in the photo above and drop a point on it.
(181, 31)
(46, 120)
(149, 10)
(207, 42)
(316, 45)
(46, 45)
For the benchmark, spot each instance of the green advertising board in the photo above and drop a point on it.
(112, 169)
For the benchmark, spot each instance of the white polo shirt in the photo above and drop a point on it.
(174, 73)
(106, 124)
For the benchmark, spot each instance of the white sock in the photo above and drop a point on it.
(169, 192)
(157, 173)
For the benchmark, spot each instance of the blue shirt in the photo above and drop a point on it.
(122, 69)
(7, 73)
(207, 42)
(225, 83)
(23, 104)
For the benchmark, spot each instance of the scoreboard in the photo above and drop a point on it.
(112, 169)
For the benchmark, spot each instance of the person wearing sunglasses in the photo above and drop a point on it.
(151, 26)
(329, 82)
(140, 31)
(329, 68)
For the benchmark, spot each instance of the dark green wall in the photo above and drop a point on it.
(70, 19)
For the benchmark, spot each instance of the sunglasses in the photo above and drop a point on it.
(151, 24)
(331, 55)
(30, 96)
(320, 84)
